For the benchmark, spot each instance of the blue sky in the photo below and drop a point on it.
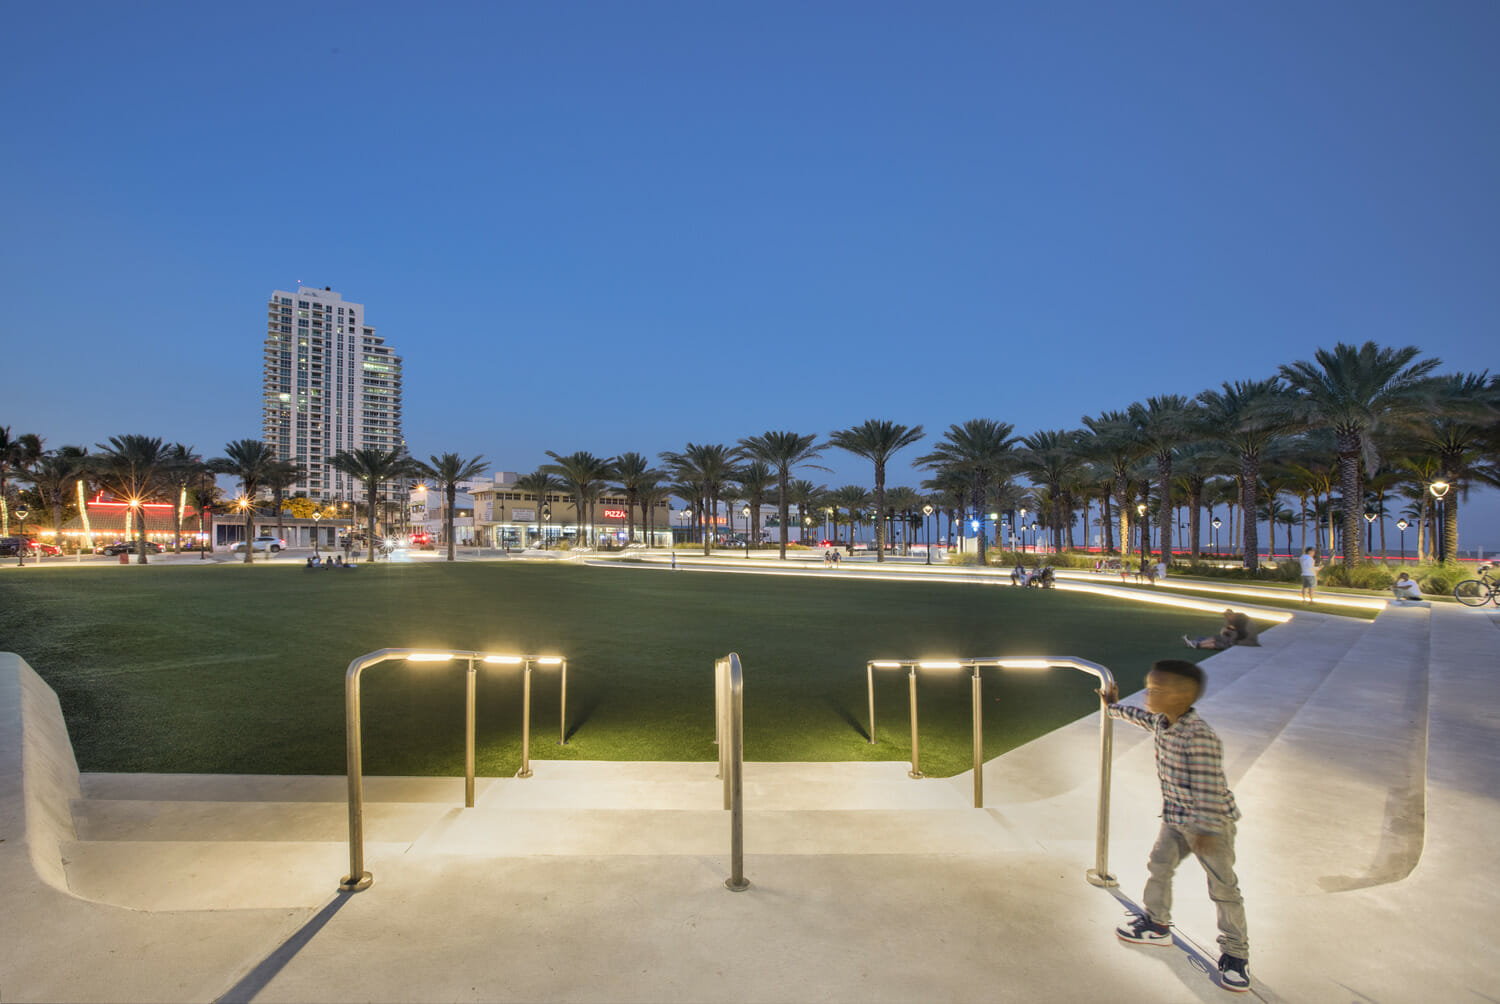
(615, 226)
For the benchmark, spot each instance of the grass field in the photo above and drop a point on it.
(228, 669)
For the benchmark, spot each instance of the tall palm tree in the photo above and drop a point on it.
(445, 472)
(183, 469)
(709, 466)
(904, 502)
(132, 468)
(585, 474)
(1052, 457)
(1162, 424)
(1247, 416)
(982, 450)
(806, 496)
(650, 495)
(372, 467)
(755, 481)
(247, 460)
(1355, 392)
(782, 451)
(876, 440)
(948, 490)
(17, 453)
(1466, 406)
(1113, 442)
(633, 473)
(539, 484)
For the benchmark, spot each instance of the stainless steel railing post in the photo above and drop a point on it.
(525, 770)
(735, 686)
(916, 765)
(1100, 875)
(469, 680)
(562, 714)
(358, 878)
(870, 691)
(976, 691)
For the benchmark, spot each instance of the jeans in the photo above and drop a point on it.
(1223, 888)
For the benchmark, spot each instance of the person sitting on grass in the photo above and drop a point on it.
(1198, 815)
(1405, 587)
(1236, 631)
(1018, 574)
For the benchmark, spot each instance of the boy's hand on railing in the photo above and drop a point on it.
(1110, 696)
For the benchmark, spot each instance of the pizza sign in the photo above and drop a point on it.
(614, 514)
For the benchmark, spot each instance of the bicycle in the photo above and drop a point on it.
(1478, 592)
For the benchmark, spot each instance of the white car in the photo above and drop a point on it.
(272, 544)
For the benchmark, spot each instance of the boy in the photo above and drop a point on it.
(1198, 814)
(1406, 588)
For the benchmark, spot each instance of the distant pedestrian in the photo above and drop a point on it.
(1198, 814)
(1309, 573)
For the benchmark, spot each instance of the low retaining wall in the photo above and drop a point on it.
(38, 773)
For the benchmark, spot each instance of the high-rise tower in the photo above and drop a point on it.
(330, 385)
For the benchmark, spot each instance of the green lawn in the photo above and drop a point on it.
(228, 669)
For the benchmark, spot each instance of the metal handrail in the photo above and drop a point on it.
(358, 878)
(729, 703)
(1098, 875)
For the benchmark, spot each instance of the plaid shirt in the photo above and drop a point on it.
(1190, 763)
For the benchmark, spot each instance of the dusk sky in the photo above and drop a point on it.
(624, 226)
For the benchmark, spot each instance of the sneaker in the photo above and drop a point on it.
(1141, 931)
(1233, 974)
(1188, 642)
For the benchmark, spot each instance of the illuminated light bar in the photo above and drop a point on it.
(503, 660)
(1025, 664)
(941, 665)
(550, 660)
(430, 657)
(886, 664)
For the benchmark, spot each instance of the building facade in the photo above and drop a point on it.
(330, 384)
(507, 517)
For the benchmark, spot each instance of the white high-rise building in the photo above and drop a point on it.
(330, 385)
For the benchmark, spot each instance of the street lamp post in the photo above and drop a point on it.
(1140, 510)
(317, 516)
(1022, 527)
(546, 527)
(1217, 522)
(1369, 533)
(1401, 525)
(1439, 490)
(21, 513)
(1036, 539)
(745, 512)
(926, 515)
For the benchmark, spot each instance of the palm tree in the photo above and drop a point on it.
(981, 450)
(132, 468)
(1112, 442)
(1247, 416)
(633, 473)
(782, 451)
(16, 454)
(1052, 458)
(585, 474)
(856, 500)
(755, 481)
(948, 490)
(1466, 407)
(1355, 392)
(541, 485)
(651, 494)
(709, 467)
(446, 472)
(183, 469)
(247, 460)
(54, 475)
(876, 440)
(806, 496)
(371, 466)
(906, 502)
(279, 477)
(1162, 423)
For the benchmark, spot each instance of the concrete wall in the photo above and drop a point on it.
(38, 774)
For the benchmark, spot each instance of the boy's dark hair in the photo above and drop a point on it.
(1190, 671)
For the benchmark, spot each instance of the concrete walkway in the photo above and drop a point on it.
(1365, 757)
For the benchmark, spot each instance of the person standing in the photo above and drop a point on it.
(1198, 815)
(1309, 573)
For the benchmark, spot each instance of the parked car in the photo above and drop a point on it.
(261, 543)
(129, 547)
(43, 548)
(10, 546)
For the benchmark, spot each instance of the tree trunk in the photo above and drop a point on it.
(880, 510)
(1249, 478)
(452, 492)
(1348, 442)
(370, 540)
(1164, 476)
(1195, 515)
(1450, 525)
(250, 535)
(1122, 488)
